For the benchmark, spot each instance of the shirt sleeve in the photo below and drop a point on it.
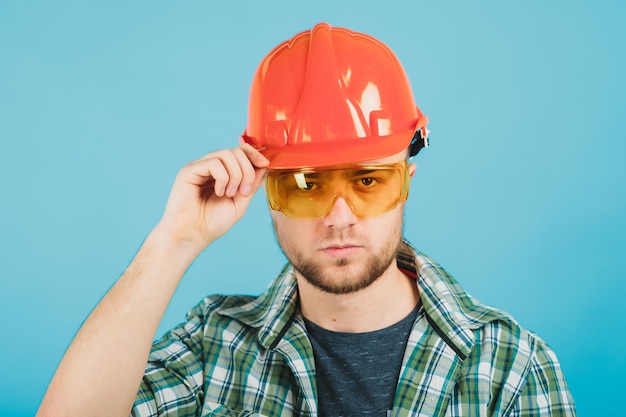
(173, 380)
(546, 392)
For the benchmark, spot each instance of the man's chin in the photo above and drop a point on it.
(339, 279)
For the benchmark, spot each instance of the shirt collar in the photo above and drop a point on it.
(452, 312)
(271, 312)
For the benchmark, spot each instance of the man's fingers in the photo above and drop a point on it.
(234, 167)
(230, 171)
(256, 157)
(201, 172)
(247, 170)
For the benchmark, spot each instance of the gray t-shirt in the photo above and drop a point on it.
(357, 373)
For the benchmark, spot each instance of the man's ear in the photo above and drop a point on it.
(412, 169)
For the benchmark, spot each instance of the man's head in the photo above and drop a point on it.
(333, 111)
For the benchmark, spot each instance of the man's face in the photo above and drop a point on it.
(341, 253)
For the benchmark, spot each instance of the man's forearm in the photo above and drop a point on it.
(102, 368)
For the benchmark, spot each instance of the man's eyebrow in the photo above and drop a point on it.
(312, 174)
(366, 171)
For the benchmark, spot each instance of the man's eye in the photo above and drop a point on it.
(306, 186)
(367, 181)
(304, 182)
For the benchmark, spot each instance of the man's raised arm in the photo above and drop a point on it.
(101, 370)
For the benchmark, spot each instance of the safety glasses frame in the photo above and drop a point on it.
(290, 191)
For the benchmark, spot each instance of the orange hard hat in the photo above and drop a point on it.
(332, 96)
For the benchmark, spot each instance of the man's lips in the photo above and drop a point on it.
(342, 250)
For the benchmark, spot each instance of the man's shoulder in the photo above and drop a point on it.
(216, 303)
(444, 298)
(500, 357)
(457, 314)
(278, 300)
(245, 308)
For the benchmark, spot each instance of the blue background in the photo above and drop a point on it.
(521, 195)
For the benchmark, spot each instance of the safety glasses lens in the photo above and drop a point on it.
(369, 190)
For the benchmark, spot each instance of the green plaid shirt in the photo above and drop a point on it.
(250, 356)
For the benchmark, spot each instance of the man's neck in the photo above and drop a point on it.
(386, 301)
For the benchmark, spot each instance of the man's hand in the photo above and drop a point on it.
(211, 194)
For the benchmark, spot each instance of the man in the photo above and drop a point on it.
(358, 323)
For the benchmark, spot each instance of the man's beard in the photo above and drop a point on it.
(341, 282)
(344, 278)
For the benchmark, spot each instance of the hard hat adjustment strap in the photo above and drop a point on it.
(419, 141)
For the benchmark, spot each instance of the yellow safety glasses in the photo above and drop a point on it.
(369, 189)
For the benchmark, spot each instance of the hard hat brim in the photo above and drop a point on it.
(314, 155)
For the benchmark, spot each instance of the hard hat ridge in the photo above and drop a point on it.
(334, 104)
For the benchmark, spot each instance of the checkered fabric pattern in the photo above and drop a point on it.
(250, 356)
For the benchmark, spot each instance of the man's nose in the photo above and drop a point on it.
(340, 214)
